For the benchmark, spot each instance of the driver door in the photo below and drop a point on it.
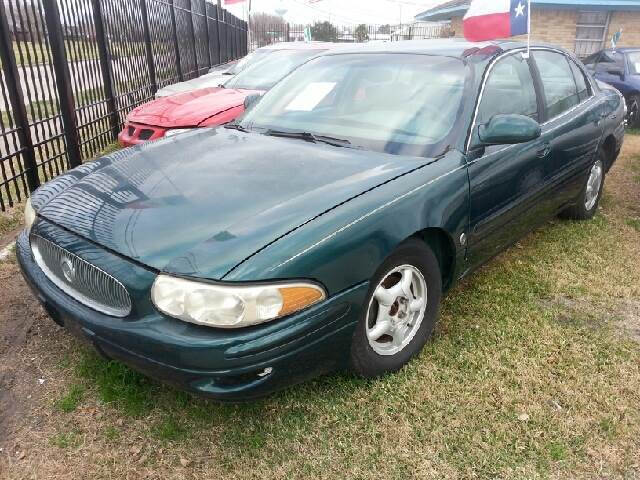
(504, 178)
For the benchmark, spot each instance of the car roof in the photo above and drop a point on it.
(454, 47)
(623, 49)
(301, 46)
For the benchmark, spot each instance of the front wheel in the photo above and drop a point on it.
(589, 198)
(400, 310)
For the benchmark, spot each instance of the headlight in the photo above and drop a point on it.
(29, 214)
(228, 306)
(176, 131)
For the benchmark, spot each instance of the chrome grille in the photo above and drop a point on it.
(81, 280)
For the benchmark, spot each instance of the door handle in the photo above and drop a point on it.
(543, 151)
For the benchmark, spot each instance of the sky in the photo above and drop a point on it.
(344, 12)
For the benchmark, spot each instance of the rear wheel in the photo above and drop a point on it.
(589, 198)
(401, 309)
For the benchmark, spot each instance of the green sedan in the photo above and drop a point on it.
(321, 230)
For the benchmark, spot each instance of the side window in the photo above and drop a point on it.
(559, 87)
(509, 89)
(581, 83)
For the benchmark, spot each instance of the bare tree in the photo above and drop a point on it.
(267, 28)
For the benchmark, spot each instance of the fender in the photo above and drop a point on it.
(346, 246)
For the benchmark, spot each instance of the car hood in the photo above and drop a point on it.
(208, 80)
(202, 202)
(188, 109)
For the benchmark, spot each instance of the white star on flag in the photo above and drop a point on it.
(519, 9)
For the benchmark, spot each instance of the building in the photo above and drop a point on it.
(582, 26)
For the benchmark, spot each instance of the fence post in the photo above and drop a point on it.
(16, 97)
(174, 32)
(206, 19)
(105, 66)
(63, 82)
(193, 37)
(147, 46)
(287, 29)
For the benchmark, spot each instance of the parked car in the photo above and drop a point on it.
(321, 230)
(213, 106)
(219, 74)
(620, 68)
(214, 77)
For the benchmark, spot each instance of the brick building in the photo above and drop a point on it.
(582, 26)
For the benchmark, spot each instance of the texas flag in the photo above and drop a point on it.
(489, 19)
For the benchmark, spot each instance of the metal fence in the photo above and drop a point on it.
(73, 69)
(263, 34)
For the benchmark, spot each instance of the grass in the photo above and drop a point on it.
(71, 399)
(532, 373)
(65, 439)
(41, 109)
(35, 53)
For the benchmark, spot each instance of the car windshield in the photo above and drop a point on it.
(264, 73)
(395, 103)
(247, 61)
(634, 63)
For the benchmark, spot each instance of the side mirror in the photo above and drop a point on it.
(251, 100)
(508, 129)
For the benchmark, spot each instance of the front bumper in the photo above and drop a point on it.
(228, 365)
(138, 133)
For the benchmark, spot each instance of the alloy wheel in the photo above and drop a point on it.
(396, 310)
(593, 185)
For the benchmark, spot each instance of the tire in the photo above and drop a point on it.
(373, 355)
(587, 203)
(633, 111)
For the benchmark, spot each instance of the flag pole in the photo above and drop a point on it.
(528, 27)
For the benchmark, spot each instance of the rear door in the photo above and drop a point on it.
(571, 127)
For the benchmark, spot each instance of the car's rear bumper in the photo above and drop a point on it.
(231, 365)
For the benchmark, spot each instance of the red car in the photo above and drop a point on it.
(209, 107)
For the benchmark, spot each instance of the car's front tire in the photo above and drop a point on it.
(400, 310)
(587, 204)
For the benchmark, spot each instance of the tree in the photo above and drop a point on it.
(361, 33)
(384, 29)
(267, 28)
(324, 32)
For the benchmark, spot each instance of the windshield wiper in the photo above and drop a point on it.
(235, 126)
(311, 137)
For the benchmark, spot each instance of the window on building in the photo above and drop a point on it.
(559, 86)
(591, 29)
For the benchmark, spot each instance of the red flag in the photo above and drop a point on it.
(231, 2)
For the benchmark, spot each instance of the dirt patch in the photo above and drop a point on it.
(19, 376)
(622, 314)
